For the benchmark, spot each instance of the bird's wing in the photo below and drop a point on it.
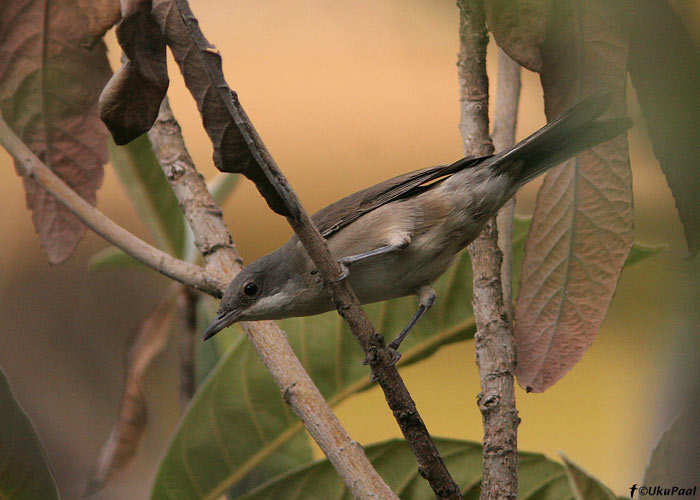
(346, 210)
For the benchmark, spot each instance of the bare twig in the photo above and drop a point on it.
(270, 343)
(430, 463)
(186, 305)
(503, 133)
(495, 355)
(32, 167)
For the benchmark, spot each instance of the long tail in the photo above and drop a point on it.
(575, 131)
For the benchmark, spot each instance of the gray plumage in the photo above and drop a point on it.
(397, 237)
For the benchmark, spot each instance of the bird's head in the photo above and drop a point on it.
(263, 290)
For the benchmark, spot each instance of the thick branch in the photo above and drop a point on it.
(30, 166)
(495, 355)
(270, 343)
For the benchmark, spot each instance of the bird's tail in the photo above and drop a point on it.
(576, 130)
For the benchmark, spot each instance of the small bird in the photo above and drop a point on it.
(397, 237)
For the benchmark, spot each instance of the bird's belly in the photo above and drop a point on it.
(399, 273)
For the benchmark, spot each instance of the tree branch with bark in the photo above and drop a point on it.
(495, 350)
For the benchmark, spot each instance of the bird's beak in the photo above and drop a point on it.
(221, 321)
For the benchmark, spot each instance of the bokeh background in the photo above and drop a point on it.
(345, 94)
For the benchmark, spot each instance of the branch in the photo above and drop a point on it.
(495, 353)
(221, 260)
(186, 305)
(183, 35)
(30, 166)
(504, 121)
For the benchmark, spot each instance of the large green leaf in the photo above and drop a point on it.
(539, 478)
(150, 193)
(24, 468)
(238, 422)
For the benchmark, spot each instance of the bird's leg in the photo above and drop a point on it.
(426, 298)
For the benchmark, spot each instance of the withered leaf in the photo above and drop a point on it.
(664, 66)
(130, 102)
(237, 146)
(581, 231)
(49, 83)
(102, 15)
(150, 339)
(519, 28)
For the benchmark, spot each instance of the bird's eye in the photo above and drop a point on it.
(250, 289)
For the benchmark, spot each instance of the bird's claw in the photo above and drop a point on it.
(395, 357)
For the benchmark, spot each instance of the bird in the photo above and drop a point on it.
(397, 237)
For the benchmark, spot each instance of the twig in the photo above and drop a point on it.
(270, 343)
(430, 463)
(503, 133)
(495, 355)
(186, 305)
(30, 166)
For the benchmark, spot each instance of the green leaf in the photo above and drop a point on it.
(238, 422)
(539, 478)
(112, 257)
(640, 251)
(149, 191)
(24, 467)
(583, 485)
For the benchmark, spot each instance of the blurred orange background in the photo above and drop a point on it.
(345, 95)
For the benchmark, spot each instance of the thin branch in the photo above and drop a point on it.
(30, 166)
(187, 305)
(270, 343)
(495, 354)
(503, 133)
(430, 463)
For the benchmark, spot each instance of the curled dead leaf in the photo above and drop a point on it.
(237, 146)
(150, 339)
(130, 101)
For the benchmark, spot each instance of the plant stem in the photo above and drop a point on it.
(187, 304)
(495, 353)
(503, 133)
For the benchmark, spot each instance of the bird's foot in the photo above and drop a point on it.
(344, 272)
(395, 357)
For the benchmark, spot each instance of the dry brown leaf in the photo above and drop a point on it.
(49, 83)
(102, 15)
(668, 90)
(519, 28)
(149, 341)
(130, 101)
(581, 231)
(237, 146)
